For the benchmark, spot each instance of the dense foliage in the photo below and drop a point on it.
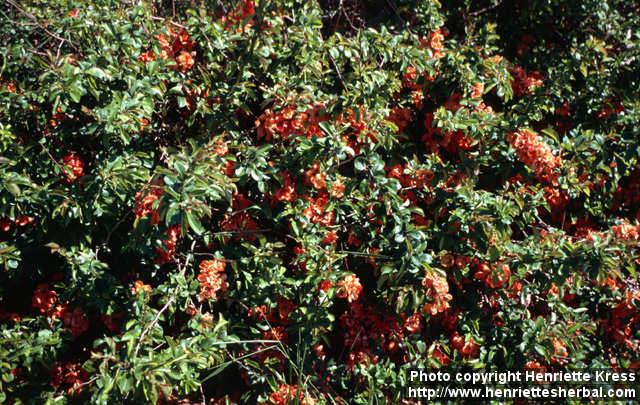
(292, 200)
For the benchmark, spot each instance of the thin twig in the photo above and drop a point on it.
(164, 308)
(153, 17)
(484, 10)
(44, 28)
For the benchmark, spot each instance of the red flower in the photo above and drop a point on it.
(401, 117)
(315, 212)
(139, 285)
(477, 90)
(288, 191)
(325, 285)
(43, 298)
(626, 231)
(523, 83)
(68, 375)
(337, 189)
(352, 240)
(74, 167)
(435, 43)
(563, 110)
(24, 220)
(437, 292)
(288, 394)
(185, 60)
(243, 12)
(468, 348)
(349, 288)
(147, 57)
(413, 323)
(560, 352)
(76, 321)
(212, 279)
(453, 103)
(330, 238)
(536, 154)
(240, 223)
(278, 333)
(535, 366)
(5, 224)
(289, 122)
(493, 278)
(557, 199)
(439, 355)
(165, 255)
(144, 205)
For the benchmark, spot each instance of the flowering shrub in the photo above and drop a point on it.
(308, 198)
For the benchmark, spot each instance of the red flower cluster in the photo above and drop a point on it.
(21, 221)
(76, 321)
(536, 154)
(278, 320)
(366, 332)
(144, 205)
(610, 108)
(243, 12)
(492, 277)
(337, 188)
(74, 167)
(434, 41)
(178, 46)
(437, 293)
(212, 279)
(469, 349)
(451, 141)
(240, 221)
(627, 195)
(356, 131)
(46, 302)
(477, 90)
(624, 320)
(288, 394)
(557, 199)
(316, 177)
(413, 324)
(315, 212)
(290, 122)
(440, 356)
(139, 285)
(410, 81)
(524, 83)
(165, 255)
(560, 352)
(626, 231)
(56, 119)
(412, 181)
(349, 288)
(417, 180)
(288, 190)
(69, 376)
(401, 117)
(44, 299)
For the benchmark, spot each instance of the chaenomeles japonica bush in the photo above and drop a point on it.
(294, 201)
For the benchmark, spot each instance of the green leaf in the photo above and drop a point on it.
(194, 223)
(99, 73)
